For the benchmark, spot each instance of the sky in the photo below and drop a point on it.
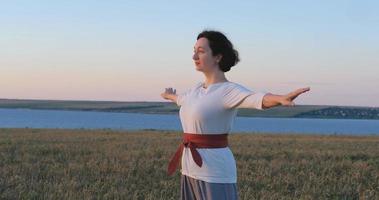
(132, 50)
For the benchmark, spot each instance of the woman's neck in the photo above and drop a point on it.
(215, 77)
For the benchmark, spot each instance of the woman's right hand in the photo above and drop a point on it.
(169, 94)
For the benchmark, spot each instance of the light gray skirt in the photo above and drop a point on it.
(192, 189)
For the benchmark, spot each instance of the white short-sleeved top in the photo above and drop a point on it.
(212, 110)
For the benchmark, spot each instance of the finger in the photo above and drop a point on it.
(293, 95)
(302, 90)
(287, 103)
(297, 92)
(291, 103)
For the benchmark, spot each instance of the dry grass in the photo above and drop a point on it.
(104, 164)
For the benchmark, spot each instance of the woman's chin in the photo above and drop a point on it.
(198, 68)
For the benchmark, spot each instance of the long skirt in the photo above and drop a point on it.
(193, 189)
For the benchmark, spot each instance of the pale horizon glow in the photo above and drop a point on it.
(131, 51)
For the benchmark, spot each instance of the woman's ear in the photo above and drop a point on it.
(218, 58)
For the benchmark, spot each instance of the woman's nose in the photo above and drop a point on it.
(195, 57)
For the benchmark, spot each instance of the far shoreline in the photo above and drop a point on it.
(298, 111)
(178, 132)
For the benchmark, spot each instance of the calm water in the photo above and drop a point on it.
(21, 118)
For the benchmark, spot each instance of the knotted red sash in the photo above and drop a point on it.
(195, 141)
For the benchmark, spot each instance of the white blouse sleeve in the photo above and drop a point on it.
(238, 96)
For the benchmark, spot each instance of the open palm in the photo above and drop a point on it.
(287, 99)
(168, 92)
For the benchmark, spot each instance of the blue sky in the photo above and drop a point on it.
(132, 50)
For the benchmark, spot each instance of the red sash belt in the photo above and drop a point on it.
(195, 141)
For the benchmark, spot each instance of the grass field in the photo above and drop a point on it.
(104, 164)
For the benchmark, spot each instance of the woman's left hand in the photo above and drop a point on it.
(287, 100)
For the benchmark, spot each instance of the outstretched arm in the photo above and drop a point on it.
(170, 94)
(272, 100)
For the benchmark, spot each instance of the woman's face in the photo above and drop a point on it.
(203, 58)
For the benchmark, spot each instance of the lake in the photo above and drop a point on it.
(26, 118)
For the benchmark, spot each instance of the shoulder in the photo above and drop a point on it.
(232, 86)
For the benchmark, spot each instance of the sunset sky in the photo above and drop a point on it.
(132, 50)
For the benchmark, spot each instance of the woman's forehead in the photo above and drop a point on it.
(201, 43)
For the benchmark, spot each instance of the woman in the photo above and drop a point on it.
(207, 111)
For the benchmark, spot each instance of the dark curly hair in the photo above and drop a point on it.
(220, 45)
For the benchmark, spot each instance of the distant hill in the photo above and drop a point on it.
(299, 111)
